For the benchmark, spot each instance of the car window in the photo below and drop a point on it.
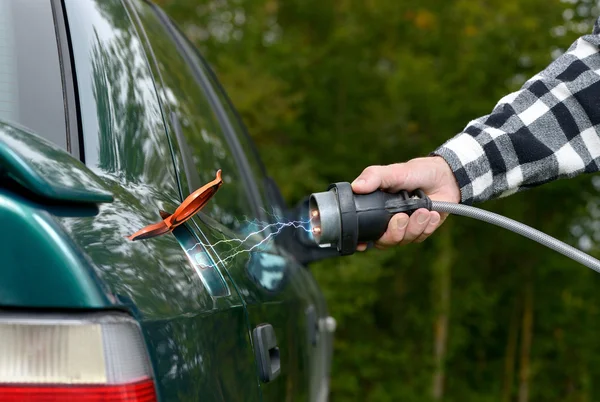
(30, 77)
(123, 128)
(201, 135)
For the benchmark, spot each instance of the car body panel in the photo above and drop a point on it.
(189, 333)
(279, 291)
(270, 289)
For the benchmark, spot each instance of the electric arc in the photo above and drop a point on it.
(341, 219)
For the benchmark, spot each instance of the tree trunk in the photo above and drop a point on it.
(511, 352)
(526, 339)
(441, 269)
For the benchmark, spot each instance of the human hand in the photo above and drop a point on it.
(430, 174)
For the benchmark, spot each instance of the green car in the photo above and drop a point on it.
(109, 119)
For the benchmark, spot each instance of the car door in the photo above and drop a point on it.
(320, 326)
(283, 302)
(193, 318)
(272, 270)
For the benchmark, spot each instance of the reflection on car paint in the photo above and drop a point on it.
(267, 270)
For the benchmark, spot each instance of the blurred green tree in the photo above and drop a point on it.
(327, 88)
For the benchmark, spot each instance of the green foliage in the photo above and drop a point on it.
(327, 88)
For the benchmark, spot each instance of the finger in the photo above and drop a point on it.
(395, 231)
(416, 225)
(390, 177)
(434, 222)
(442, 218)
(361, 247)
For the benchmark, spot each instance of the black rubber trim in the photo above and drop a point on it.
(69, 84)
(349, 235)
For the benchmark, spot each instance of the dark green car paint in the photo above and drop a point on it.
(199, 344)
(45, 169)
(278, 291)
(59, 254)
(41, 267)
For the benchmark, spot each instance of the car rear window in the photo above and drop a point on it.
(30, 77)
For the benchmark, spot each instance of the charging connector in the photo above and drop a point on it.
(341, 219)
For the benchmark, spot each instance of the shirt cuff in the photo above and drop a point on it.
(470, 165)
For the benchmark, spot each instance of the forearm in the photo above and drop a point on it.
(549, 129)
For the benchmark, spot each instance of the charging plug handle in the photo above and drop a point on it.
(359, 218)
(374, 210)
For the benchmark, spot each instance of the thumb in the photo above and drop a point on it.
(391, 178)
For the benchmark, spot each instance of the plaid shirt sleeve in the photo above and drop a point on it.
(547, 130)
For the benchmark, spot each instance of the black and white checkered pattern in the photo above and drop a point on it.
(549, 129)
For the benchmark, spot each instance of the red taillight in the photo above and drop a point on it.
(142, 391)
(88, 358)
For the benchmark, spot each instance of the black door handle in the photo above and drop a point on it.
(267, 352)
(312, 325)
